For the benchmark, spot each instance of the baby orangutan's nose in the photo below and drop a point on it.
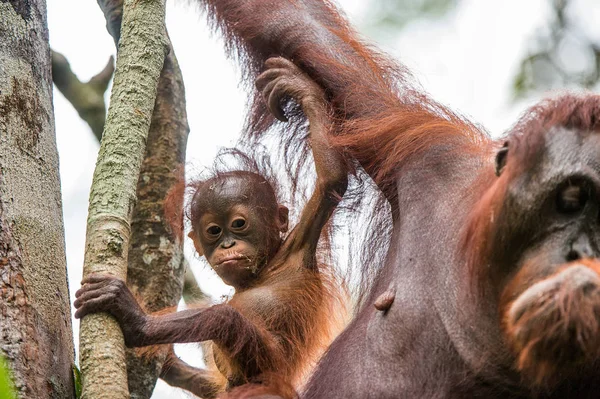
(554, 325)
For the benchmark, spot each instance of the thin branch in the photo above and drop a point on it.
(86, 98)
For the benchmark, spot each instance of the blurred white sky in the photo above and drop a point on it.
(465, 60)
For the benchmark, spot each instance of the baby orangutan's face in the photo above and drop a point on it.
(236, 232)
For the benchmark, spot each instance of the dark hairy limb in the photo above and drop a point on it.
(241, 338)
(284, 79)
(306, 32)
(102, 293)
(205, 384)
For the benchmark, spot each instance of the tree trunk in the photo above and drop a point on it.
(35, 317)
(155, 271)
(156, 265)
(156, 268)
(112, 198)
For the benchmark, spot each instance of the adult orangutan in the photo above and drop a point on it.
(491, 285)
(280, 317)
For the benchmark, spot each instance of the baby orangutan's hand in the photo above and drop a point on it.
(284, 79)
(105, 293)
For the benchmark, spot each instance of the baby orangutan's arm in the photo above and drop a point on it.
(282, 78)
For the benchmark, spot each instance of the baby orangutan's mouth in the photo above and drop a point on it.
(232, 260)
(553, 327)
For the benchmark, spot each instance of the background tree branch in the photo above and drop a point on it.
(86, 98)
(562, 55)
(36, 338)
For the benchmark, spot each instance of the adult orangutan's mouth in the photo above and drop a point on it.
(554, 325)
(573, 278)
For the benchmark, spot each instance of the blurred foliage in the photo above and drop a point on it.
(77, 378)
(6, 387)
(562, 55)
(389, 15)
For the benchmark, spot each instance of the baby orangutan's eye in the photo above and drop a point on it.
(213, 230)
(238, 223)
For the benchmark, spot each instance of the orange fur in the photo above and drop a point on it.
(548, 327)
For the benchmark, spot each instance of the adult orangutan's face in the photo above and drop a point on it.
(548, 241)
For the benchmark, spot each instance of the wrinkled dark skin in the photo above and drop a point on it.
(103, 291)
(273, 322)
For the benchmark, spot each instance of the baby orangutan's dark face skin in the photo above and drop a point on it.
(238, 228)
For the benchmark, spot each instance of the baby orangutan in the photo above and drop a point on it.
(281, 313)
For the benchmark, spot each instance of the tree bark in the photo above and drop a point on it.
(156, 268)
(35, 318)
(156, 265)
(112, 199)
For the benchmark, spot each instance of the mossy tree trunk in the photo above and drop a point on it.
(156, 265)
(113, 195)
(35, 318)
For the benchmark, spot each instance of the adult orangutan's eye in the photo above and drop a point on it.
(572, 198)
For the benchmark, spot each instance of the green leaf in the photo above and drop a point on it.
(7, 390)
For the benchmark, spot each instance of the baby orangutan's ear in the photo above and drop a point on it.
(282, 218)
(199, 250)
